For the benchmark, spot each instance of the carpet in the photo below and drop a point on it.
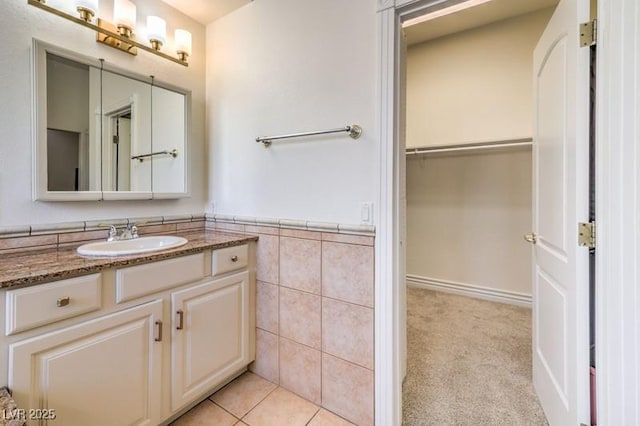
(469, 362)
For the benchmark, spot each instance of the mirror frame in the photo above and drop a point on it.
(39, 130)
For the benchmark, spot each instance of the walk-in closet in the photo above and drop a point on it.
(469, 120)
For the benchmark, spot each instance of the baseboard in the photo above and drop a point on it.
(479, 292)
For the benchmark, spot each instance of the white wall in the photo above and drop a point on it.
(474, 86)
(20, 22)
(283, 66)
(466, 215)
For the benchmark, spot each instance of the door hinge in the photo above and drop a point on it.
(587, 234)
(588, 33)
(116, 139)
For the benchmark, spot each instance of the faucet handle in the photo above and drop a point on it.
(134, 230)
(113, 233)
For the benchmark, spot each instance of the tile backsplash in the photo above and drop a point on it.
(40, 237)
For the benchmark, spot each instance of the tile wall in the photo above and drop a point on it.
(315, 322)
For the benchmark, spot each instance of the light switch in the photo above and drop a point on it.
(366, 213)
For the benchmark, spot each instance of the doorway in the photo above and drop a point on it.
(469, 115)
(561, 365)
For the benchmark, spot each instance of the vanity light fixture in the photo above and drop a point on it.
(156, 31)
(183, 44)
(121, 34)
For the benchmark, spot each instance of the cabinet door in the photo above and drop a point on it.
(106, 371)
(210, 336)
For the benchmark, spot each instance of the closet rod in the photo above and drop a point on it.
(512, 143)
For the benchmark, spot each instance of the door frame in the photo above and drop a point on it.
(618, 250)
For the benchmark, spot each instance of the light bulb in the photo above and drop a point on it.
(156, 31)
(183, 44)
(124, 13)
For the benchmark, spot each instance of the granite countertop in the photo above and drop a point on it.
(18, 270)
(10, 415)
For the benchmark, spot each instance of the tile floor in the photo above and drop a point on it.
(253, 401)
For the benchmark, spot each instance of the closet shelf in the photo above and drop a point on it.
(510, 143)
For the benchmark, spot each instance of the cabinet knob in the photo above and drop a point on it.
(234, 258)
(63, 301)
(531, 238)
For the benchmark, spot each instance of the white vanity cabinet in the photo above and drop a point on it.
(160, 337)
(88, 372)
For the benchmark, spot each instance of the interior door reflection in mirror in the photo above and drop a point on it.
(73, 144)
(126, 128)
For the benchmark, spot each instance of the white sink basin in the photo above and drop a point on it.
(133, 246)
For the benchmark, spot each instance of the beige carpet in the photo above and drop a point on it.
(469, 362)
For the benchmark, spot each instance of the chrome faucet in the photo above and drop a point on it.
(129, 233)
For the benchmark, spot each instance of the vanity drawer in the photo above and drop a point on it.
(43, 304)
(137, 281)
(229, 259)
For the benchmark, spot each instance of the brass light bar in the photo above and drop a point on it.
(106, 35)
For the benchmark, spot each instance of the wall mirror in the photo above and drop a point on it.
(103, 133)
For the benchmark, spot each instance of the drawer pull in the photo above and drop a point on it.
(159, 325)
(234, 258)
(63, 301)
(180, 325)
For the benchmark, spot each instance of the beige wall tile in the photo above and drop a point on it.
(327, 418)
(266, 363)
(256, 229)
(298, 233)
(347, 331)
(347, 238)
(231, 227)
(268, 258)
(20, 242)
(244, 393)
(300, 370)
(72, 237)
(206, 414)
(281, 408)
(157, 229)
(267, 306)
(300, 264)
(300, 317)
(347, 273)
(347, 390)
(199, 224)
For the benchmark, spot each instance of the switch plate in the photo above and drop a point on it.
(366, 213)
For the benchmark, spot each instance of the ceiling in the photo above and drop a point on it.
(206, 11)
(476, 16)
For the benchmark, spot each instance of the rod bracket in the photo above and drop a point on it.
(355, 131)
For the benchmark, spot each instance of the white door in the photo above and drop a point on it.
(560, 201)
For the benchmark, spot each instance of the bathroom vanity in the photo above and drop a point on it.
(126, 340)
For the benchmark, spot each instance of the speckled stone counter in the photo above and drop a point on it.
(9, 415)
(54, 264)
